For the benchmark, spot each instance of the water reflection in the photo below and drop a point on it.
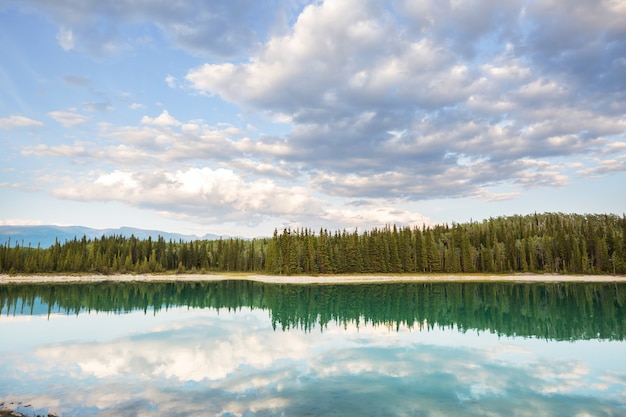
(560, 311)
(373, 357)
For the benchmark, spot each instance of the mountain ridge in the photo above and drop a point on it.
(47, 235)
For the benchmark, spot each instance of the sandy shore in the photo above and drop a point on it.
(308, 279)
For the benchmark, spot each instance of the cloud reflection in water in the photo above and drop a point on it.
(235, 364)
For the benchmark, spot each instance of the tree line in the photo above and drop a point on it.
(536, 243)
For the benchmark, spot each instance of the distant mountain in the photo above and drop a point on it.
(47, 235)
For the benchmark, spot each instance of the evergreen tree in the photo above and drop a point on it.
(551, 242)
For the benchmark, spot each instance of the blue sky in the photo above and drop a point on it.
(240, 117)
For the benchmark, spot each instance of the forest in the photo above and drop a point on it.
(537, 243)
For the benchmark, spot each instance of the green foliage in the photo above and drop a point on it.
(541, 243)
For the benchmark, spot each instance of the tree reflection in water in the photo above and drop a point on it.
(555, 311)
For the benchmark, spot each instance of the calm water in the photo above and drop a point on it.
(249, 349)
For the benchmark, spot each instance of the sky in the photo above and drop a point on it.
(244, 116)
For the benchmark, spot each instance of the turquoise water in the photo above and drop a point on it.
(250, 349)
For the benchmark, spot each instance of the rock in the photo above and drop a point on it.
(8, 413)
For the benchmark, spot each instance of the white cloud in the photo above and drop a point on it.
(202, 193)
(163, 140)
(167, 140)
(484, 194)
(541, 90)
(606, 167)
(68, 118)
(14, 121)
(200, 28)
(171, 81)
(374, 214)
(398, 100)
(611, 147)
(260, 168)
(164, 119)
(66, 40)
(65, 151)
(348, 73)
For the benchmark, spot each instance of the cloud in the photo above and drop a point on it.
(164, 119)
(77, 150)
(606, 167)
(209, 195)
(387, 103)
(245, 190)
(378, 104)
(613, 147)
(262, 169)
(374, 214)
(583, 41)
(68, 118)
(146, 356)
(171, 81)
(202, 193)
(540, 174)
(14, 121)
(237, 364)
(201, 28)
(66, 40)
(163, 140)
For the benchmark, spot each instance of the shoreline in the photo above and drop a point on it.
(309, 279)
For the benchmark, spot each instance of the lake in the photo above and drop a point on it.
(240, 348)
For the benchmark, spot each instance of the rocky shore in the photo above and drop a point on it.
(10, 413)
